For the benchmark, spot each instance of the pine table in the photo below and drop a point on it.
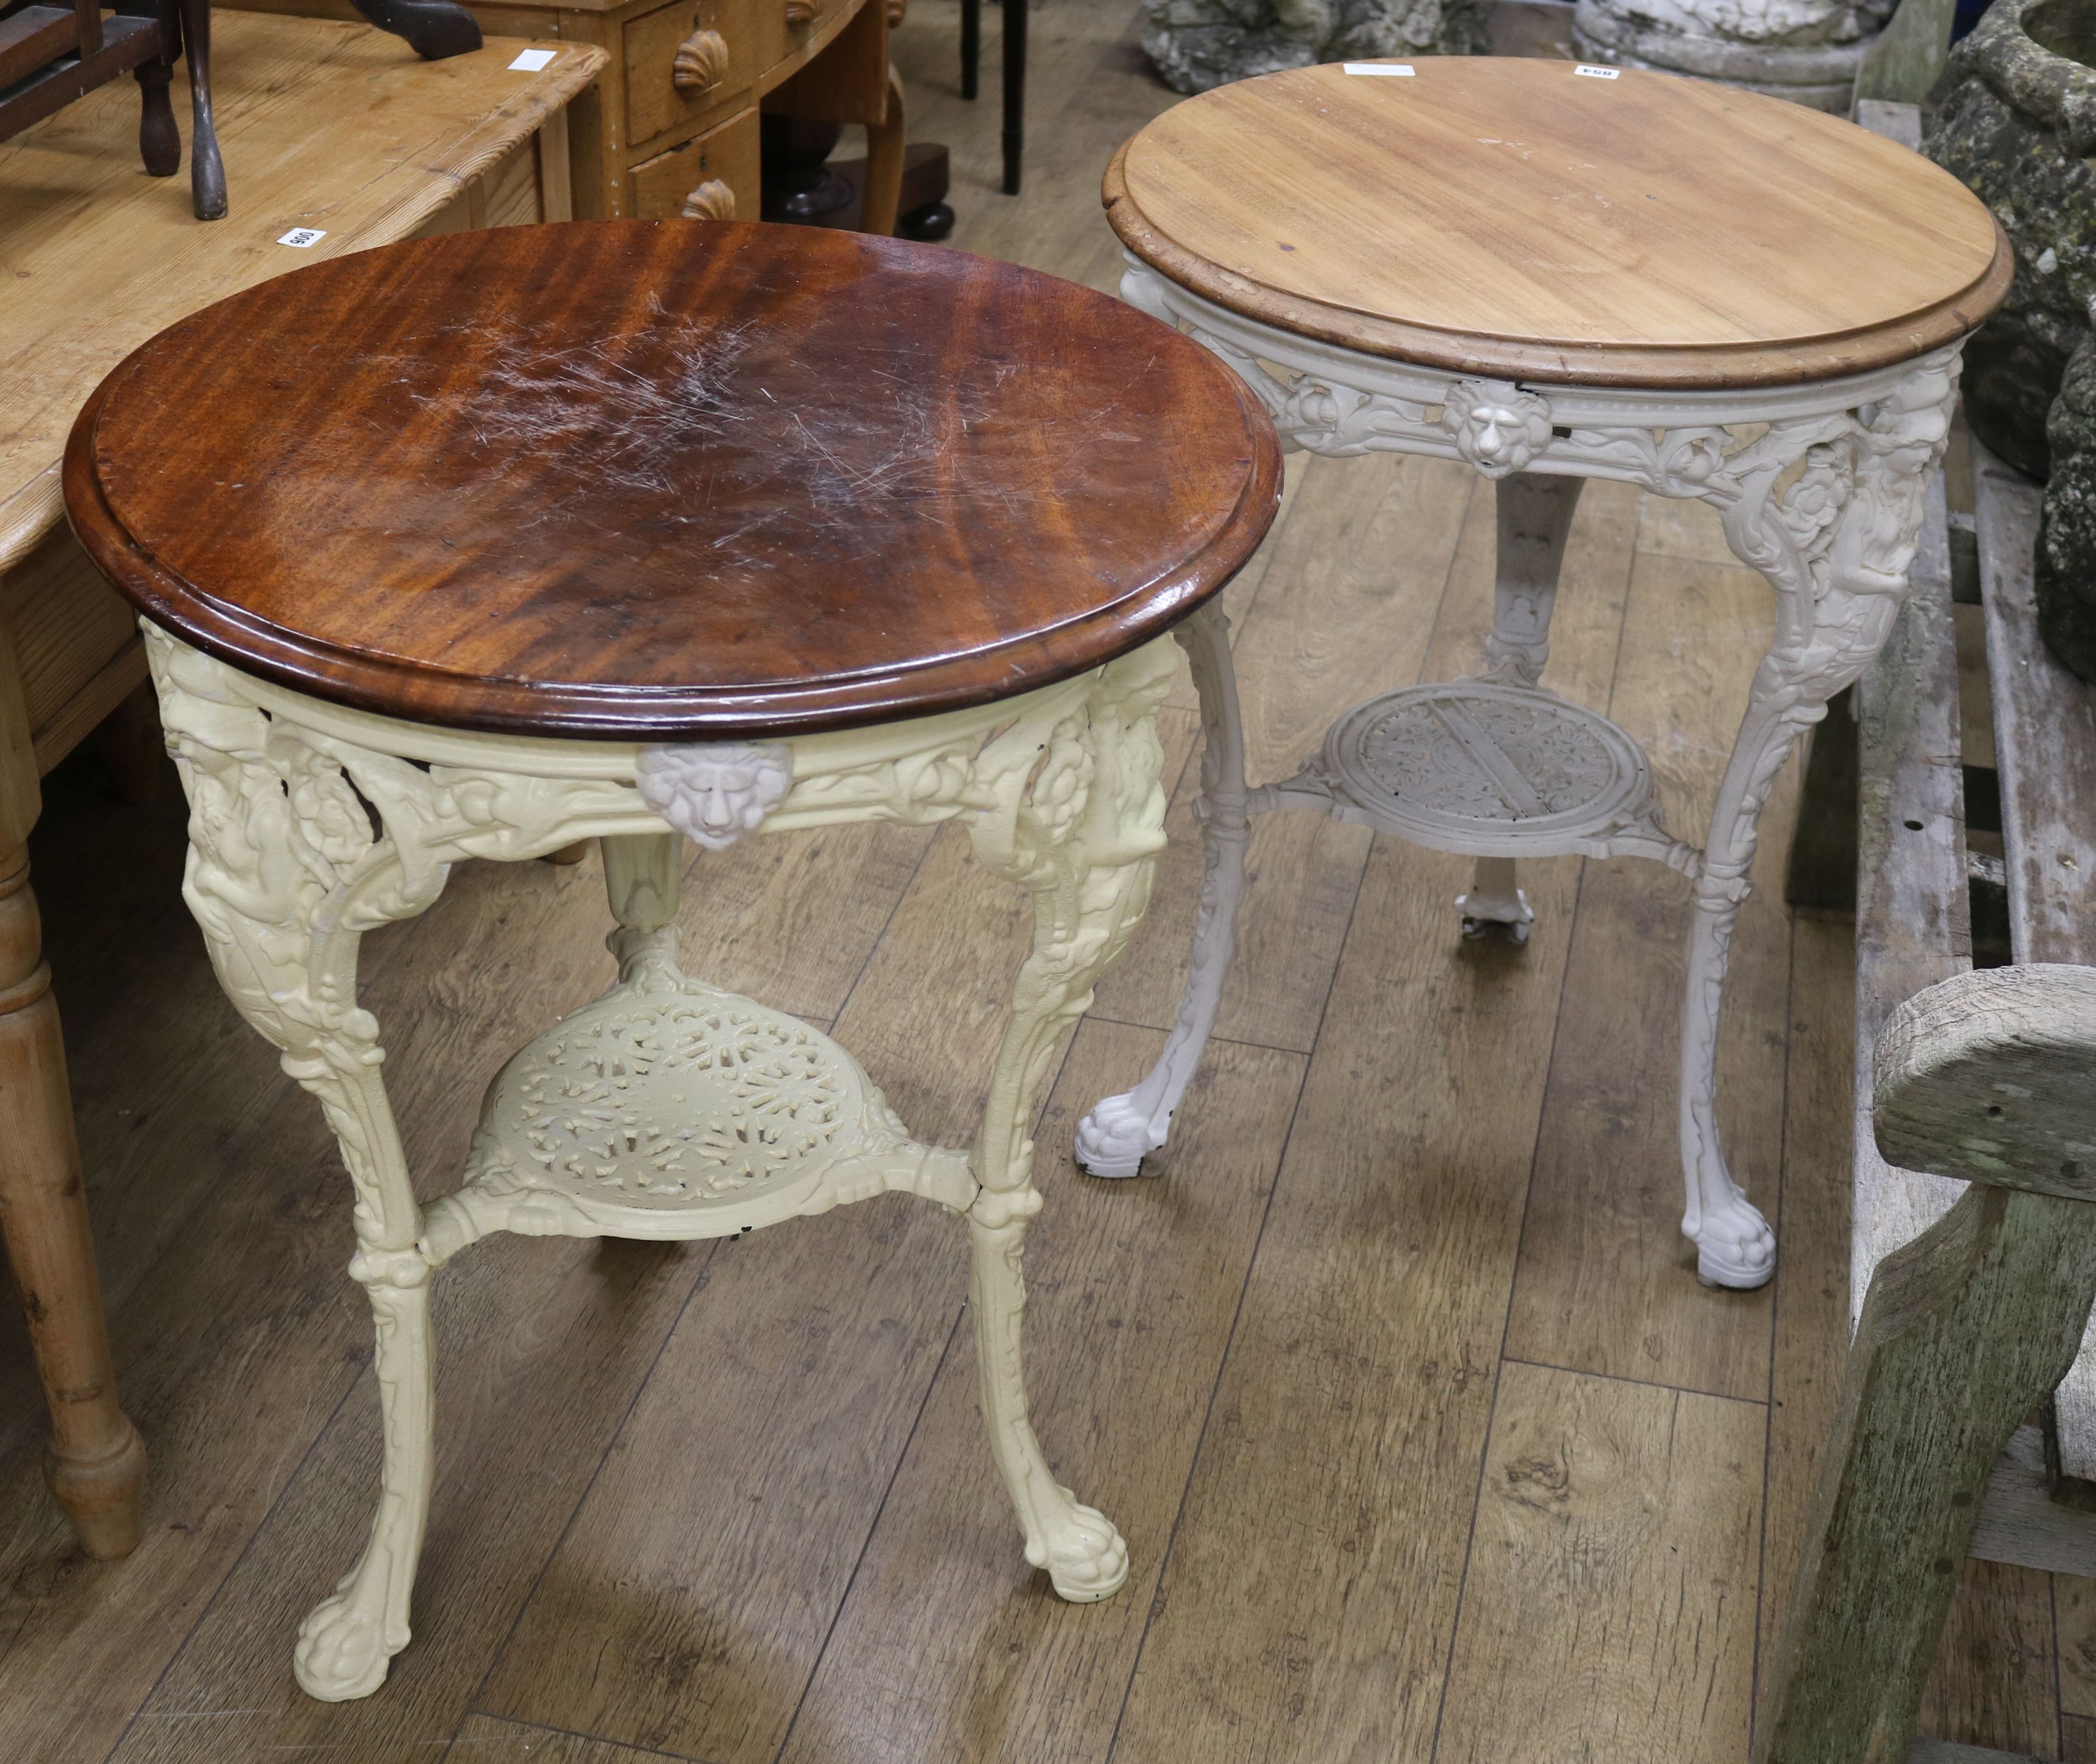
(1552, 272)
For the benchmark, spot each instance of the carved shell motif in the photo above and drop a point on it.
(714, 792)
(701, 62)
(800, 12)
(713, 200)
(1498, 428)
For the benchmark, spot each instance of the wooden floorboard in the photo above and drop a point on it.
(949, 1646)
(1395, 1371)
(1607, 1283)
(1608, 1612)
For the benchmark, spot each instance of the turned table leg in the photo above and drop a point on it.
(96, 1461)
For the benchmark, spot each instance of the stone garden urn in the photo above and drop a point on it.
(1804, 49)
(2015, 118)
(1197, 44)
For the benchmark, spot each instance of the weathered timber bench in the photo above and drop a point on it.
(1973, 1301)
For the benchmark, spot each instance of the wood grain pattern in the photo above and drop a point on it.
(671, 479)
(1131, 1299)
(1812, 1309)
(1618, 1526)
(333, 126)
(1640, 230)
(1604, 1212)
(1305, 1611)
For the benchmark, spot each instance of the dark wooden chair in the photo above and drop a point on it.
(50, 55)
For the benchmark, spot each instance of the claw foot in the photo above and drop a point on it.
(1485, 910)
(1086, 1559)
(1113, 1139)
(1734, 1248)
(342, 1653)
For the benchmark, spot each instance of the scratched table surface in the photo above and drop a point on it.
(671, 477)
(335, 128)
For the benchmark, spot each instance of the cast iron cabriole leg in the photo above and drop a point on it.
(1536, 511)
(1835, 543)
(1114, 1138)
(1084, 843)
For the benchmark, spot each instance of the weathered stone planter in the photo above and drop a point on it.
(2017, 121)
(1197, 44)
(1804, 49)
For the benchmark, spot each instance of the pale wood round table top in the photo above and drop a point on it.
(1521, 219)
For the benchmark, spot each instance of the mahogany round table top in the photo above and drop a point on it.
(1524, 218)
(669, 479)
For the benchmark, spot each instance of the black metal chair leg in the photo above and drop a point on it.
(1014, 91)
(206, 171)
(970, 47)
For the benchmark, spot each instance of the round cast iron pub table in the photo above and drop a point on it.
(633, 531)
(1555, 272)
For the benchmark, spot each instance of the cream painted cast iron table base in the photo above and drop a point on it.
(1513, 264)
(678, 528)
(667, 1109)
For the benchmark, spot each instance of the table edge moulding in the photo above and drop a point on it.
(1821, 496)
(669, 1109)
(1729, 350)
(835, 698)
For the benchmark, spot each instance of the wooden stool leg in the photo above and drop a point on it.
(1088, 866)
(1121, 1130)
(96, 1462)
(884, 163)
(970, 47)
(159, 141)
(206, 171)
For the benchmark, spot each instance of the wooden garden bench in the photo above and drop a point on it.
(1973, 1299)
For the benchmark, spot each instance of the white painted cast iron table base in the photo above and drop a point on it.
(1820, 488)
(668, 1109)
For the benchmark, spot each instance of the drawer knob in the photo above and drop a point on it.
(701, 62)
(713, 200)
(800, 12)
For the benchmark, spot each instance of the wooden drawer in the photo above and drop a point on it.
(726, 43)
(800, 23)
(727, 154)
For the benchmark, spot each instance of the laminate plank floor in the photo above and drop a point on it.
(1395, 1374)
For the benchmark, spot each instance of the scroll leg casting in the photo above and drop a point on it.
(1113, 1139)
(1835, 543)
(287, 872)
(1083, 841)
(1536, 511)
(95, 1462)
(349, 1639)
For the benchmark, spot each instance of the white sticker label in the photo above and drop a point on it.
(303, 236)
(1597, 73)
(533, 60)
(1386, 70)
